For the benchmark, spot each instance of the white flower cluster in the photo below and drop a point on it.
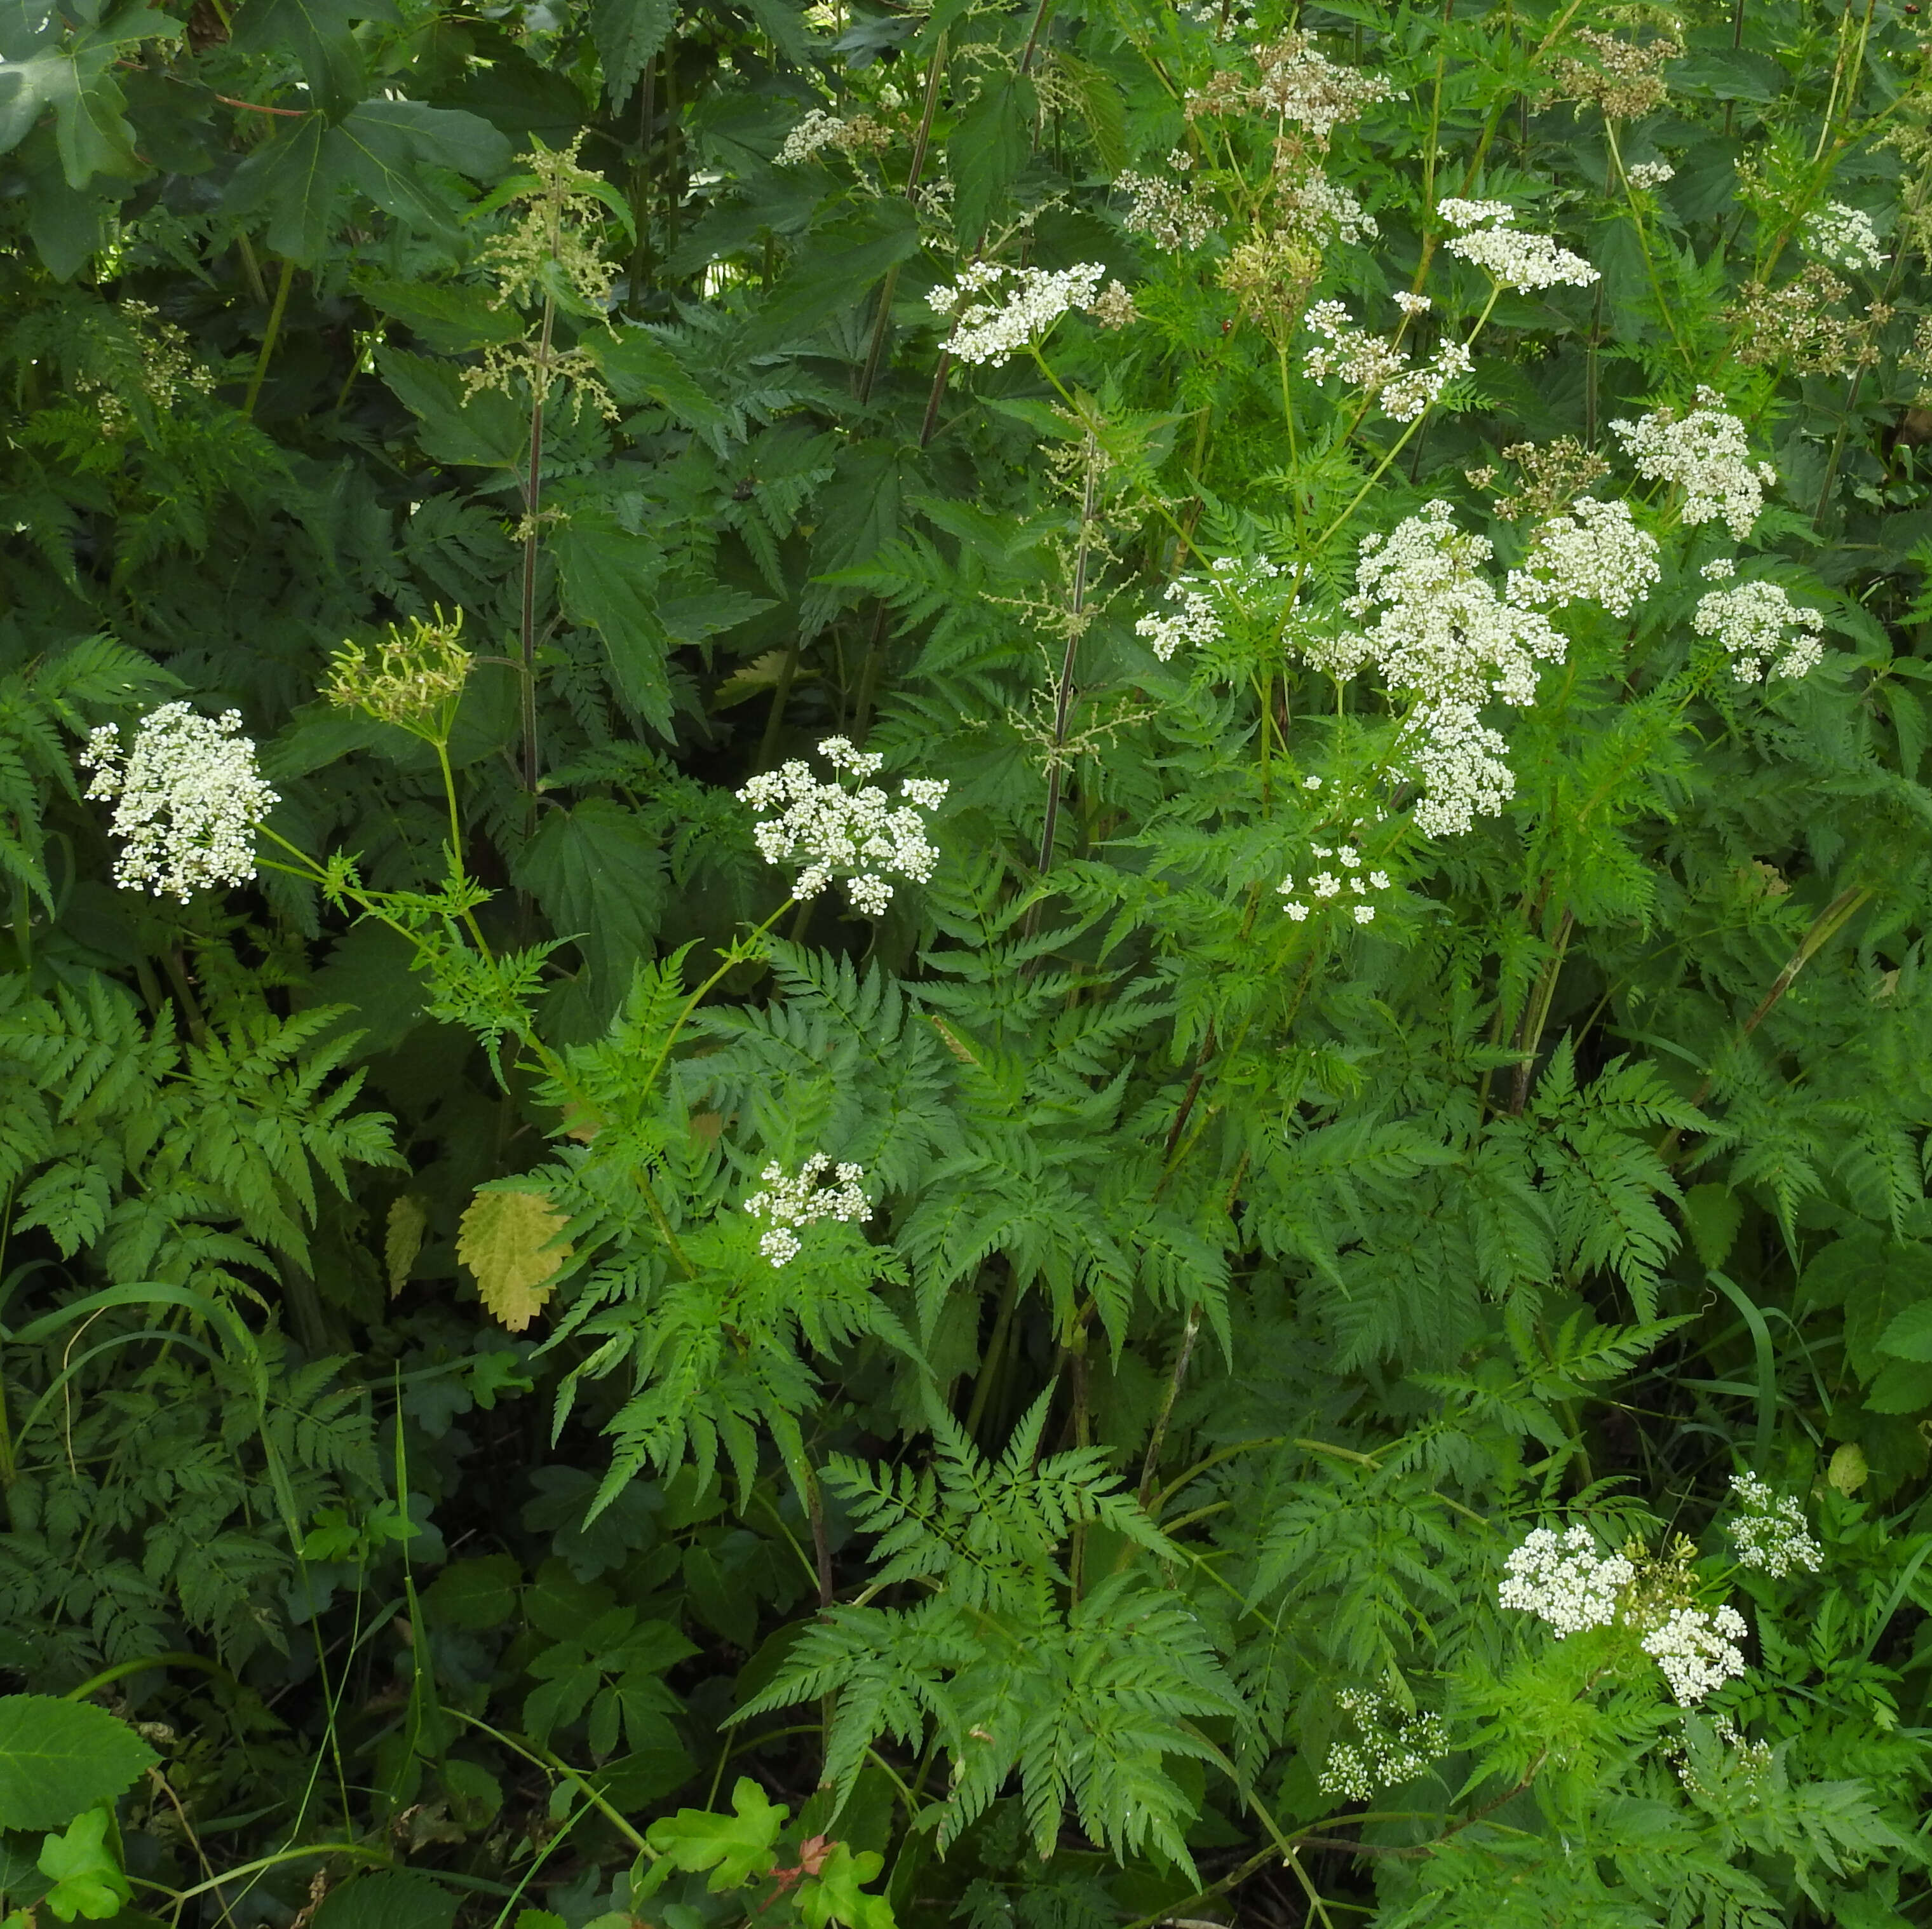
(1445, 637)
(1348, 882)
(1565, 1581)
(799, 1201)
(1845, 237)
(818, 130)
(190, 794)
(1197, 621)
(1761, 630)
(1034, 298)
(1594, 554)
(1388, 1754)
(1172, 214)
(1376, 367)
(1697, 1650)
(1770, 1533)
(1228, 22)
(1522, 261)
(1320, 208)
(854, 835)
(1567, 1584)
(1649, 175)
(1705, 453)
(1301, 84)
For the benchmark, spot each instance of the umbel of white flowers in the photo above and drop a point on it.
(1391, 1749)
(1524, 262)
(856, 836)
(1770, 1532)
(998, 310)
(790, 1202)
(189, 796)
(1568, 1586)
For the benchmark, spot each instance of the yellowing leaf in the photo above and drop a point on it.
(1848, 1469)
(506, 1240)
(408, 1219)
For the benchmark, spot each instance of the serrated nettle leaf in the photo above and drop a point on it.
(58, 1758)
(509, 1241)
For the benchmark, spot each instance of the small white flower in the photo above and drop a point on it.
(1565, 1581)
(817, 131)
(1412, 305)
(1379, 879)
(1391, 1750)
(1297, 911)
(801, 1201)
(1845, 237)
(1377, 367)
(1719, 569)
(1595, 554)
(1365, 913)
(991, 330)
(1311, 783)
(852, 834)
(1461, 214)
(1647, 175)
(1770, 1532)
(1697, 1650)
(1524, 262)
(1195, 622)
(190, 796)
(1761, 630)
(1706, 454)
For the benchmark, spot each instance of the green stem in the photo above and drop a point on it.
(122, 1670)
(274, 329)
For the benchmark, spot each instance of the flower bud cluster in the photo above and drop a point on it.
(1770, 1532)
(1745, 1765)
(1347, 884)
(1705, 453)
(852, 834)
(790, 1202)
(190, 795)
(1389, 1752)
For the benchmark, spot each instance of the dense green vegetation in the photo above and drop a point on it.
(965, 963)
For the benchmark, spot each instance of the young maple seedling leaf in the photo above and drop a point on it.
(834, 1894)
(506, 1239)
(736, 1848)
(87, 1877)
